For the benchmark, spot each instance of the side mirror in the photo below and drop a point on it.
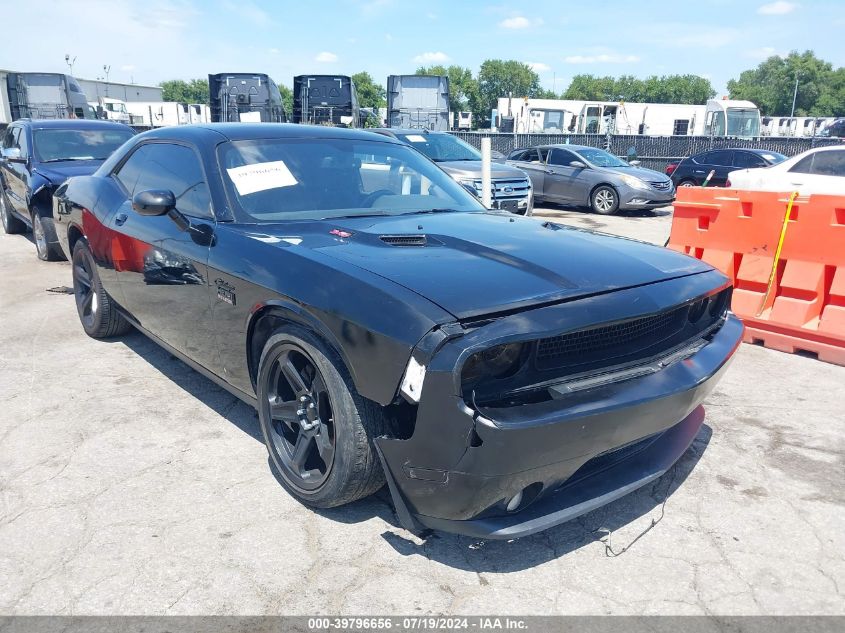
(577, 164)
(634, 163)
(153, 202)
(12, 153)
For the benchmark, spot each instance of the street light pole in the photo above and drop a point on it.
(106, 69)
(70, 61)
(794, 95)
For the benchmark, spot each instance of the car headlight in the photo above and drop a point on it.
(634, 182)
(500, 361)
(472, 185)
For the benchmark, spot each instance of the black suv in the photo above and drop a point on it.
(692, 171)
(37, 157)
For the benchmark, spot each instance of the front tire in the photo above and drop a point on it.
(46, 240)
(11, 224)
(687, 183)
(318, 430)
(604, 200)
(97, 312)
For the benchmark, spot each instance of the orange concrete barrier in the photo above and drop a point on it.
(794, 304)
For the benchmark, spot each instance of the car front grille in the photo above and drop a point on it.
(661, 185)
(506, 188)
(644, 336)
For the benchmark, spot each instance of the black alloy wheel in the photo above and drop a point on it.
(87, 301)
(302, 423)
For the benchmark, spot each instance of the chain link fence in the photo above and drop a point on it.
(652, 151)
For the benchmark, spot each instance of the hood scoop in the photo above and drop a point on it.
(404, 240)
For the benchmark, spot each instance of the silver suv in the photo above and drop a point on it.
(512, 189)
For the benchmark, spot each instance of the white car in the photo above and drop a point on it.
(819, 170)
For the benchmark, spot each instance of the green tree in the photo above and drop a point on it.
(499, 78)
(771, 85)
(193, 91)
(666, 89)
(370, 94)
(287, 99)
(462, 85)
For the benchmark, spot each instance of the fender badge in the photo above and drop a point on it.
(225, 292)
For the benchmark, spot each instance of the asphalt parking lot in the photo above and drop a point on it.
(131, 484)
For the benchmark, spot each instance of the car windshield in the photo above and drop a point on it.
(600, 158)
(294, 179)
(441, 147)
(55, 145)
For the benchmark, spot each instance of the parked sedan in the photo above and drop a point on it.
(819, 170)
(37, 157)
(590, 177)
(693, 171)
(502, 375)
(511, 188)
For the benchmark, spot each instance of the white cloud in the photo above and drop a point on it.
(604, 58)
(764, 52)
(781, 7)
(519, 22)
(326, 57)
(431, 58)
(538, 67)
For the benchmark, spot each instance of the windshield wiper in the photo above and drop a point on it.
(421, 211)
(62, 160)
(354, 215)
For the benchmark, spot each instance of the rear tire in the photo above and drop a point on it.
(46, 240)
(11, 224)
(97, 312)
(604, 200)
(306, 396)
(687, 182)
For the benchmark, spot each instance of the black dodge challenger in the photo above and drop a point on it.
(501, 374)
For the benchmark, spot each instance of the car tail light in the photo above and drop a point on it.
(670, 168)
(728, 182)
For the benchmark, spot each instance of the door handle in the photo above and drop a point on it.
(120, 219)
(550, 171)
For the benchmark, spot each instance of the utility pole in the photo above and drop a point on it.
(794, 94)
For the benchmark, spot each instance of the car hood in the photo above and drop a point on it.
(471, 169)
(475, 264)
(57, 173)
(649, 175)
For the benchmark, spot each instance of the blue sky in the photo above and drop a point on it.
(147, 42)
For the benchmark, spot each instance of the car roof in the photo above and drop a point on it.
(67, 124)
(403, 130)
(558, 145)
(204, 132)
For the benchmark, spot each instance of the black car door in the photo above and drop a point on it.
(15, 172)
(162, 269)
(720, 161)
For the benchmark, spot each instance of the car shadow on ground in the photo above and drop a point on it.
(587, 213)
(461, 552)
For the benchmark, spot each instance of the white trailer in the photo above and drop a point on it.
(721, 117)
(158, 113)
(111, 109)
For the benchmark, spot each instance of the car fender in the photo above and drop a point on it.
(38, 184)
(290, 311)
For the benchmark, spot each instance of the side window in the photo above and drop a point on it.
(178, 169)
(530, 155)
(23, 144)
(747, 159)
(561, 157)
(804, 166)
(10, 137)
(128, 173)
(720, 157)
(829, 163)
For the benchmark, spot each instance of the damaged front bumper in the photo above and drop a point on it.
(506, 471)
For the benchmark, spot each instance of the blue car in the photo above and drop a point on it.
(37, 157)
